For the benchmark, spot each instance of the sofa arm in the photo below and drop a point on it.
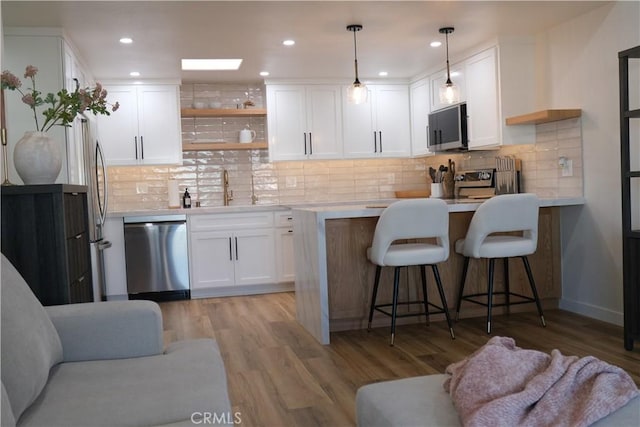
(108, 330)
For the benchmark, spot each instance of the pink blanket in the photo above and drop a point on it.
(503, 385)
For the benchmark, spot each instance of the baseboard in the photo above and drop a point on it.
(592, 311)
(229, 291)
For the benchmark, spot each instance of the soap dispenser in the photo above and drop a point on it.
(186, 199)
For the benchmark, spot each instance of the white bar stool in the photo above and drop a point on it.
(501, 214)
(411, 219)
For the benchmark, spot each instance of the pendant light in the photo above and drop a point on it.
(449, 93)
(357, 92)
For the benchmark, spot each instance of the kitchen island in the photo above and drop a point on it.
(334, 278)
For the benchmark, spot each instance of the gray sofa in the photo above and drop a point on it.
(102, 364)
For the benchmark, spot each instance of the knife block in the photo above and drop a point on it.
(448, 185)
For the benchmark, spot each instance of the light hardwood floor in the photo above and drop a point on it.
(278, 375)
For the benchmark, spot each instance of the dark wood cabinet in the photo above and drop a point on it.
(630, 168)
(45, 235)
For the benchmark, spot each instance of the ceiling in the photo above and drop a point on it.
(395, 37)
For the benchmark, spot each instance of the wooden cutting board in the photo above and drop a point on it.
(412, 194)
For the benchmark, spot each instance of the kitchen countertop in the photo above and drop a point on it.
(330, 210)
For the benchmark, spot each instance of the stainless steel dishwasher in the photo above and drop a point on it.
(157, 257)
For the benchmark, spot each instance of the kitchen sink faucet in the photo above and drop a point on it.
(228, 194)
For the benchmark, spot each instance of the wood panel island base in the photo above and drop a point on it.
(334, 278)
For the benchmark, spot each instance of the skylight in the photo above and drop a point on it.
(211, 64)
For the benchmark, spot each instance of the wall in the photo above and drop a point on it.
(582, 58)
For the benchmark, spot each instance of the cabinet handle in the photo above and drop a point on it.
(375, 142)
(289, 218)
(74, 194)
(310, 144)
(435, 137)
(78, 236)
(236, 247)
(135, 144)
(289, 231)
(380, 133)
(305, 143)
(230, 253)
(81, 279)
(141, 147)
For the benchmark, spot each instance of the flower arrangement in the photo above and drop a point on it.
(61, 108)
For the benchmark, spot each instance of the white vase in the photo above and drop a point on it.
(37, 158)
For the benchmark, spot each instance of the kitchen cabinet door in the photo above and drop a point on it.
(254, 256)
(379, 128)
(323, 108)
(285, 255)
(118, 132)
(211, 258)
(483, 115)
(304, 122)
(392, 120)
(146, 128)
(420, 109)
(159, 124)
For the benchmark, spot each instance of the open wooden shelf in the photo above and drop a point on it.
(223, 112)
(544, 116)
(200, 146)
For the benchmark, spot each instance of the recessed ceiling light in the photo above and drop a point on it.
(435, 44)
(134, 74)
(264, 73)
(289, 42)
(383, 74)
(211, 64)
(126, 40)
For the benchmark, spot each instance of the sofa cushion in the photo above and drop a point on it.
(418, 401)
(189, 378)
(30, 343)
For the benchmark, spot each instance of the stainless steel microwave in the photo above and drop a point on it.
(448, 128)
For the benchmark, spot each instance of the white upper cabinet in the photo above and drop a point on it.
(483, 112)
(379, 128)
(420, 109)
(146, 128)
(304, 122)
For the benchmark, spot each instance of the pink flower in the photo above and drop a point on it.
(28, 99)
(9, 81)
(30, 71)
(115, 106)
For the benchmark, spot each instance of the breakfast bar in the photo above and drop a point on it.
(334, 278)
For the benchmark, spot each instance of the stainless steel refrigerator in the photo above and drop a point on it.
(91, 171)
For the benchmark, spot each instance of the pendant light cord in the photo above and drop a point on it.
(355, 54)
(446, 37)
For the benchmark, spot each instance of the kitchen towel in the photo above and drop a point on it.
(174, 194)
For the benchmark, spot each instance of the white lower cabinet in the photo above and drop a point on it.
(285, 268)
(232, 254)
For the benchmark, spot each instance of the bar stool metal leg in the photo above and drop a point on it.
(436, 274)
(527, 267)
(394, 307)
(507, 291)
(490, 293)
(423, 277)
(374, 295)
(465, 267)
